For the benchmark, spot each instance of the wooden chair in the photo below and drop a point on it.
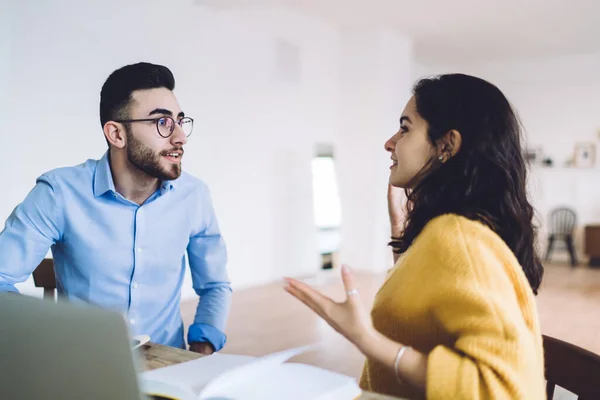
(571, 368)
(43, 277)
(563, 221)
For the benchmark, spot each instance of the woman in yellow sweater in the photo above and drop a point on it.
(456, 316)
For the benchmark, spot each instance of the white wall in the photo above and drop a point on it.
(375, 86)
(255, 129)
(6, 14)
(558, 101)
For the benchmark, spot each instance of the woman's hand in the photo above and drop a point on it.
(348, 317)
(351, 320)
(395, 201)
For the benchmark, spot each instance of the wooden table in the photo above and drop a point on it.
(158, 356)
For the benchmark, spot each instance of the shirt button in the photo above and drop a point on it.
(139, 249)
(132, 321)
(134, 285)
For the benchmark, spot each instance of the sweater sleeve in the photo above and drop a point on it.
(495, 353)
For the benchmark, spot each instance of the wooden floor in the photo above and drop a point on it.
(267, 319)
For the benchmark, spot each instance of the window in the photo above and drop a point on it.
(327, 206)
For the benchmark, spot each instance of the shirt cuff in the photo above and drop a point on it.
(207, 333)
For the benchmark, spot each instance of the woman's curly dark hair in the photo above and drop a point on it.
(486, 179)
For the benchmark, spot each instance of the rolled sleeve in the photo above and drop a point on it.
(207, 333)
(207, 256)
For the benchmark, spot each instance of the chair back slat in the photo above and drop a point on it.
(43, 276)
(571, 368)
(563, 221)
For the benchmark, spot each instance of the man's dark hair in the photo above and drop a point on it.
(116, 92)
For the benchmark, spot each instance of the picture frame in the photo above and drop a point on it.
(585, 155)
(533, 155)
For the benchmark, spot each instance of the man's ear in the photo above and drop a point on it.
(448, 145)
(115, 134)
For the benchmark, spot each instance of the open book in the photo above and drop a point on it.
(233, 377)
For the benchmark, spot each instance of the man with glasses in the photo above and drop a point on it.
(120, 227)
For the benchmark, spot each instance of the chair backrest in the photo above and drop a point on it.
(563, 221)
(571, 368)
(43, 277)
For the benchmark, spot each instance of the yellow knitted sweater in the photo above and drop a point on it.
(460, 296)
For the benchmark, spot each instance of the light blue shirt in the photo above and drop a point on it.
(113, 253)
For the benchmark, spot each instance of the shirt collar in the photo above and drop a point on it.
(165, 186)
(103, 181)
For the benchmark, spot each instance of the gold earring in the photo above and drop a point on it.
(441, 158)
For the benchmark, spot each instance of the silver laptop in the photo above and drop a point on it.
(64, 351)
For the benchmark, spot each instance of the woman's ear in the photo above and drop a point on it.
(448, 145)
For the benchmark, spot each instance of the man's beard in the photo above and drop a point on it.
(148, 161)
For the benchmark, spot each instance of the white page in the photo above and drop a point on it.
(258, 369)
(225, 376)
(291, 382)
(191, 376)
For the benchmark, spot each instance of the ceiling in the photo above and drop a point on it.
(448, 32)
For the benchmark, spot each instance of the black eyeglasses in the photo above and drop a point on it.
(166, 125)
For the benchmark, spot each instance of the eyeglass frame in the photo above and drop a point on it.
(155, 120)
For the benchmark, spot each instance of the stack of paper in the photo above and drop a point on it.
(233, 377)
